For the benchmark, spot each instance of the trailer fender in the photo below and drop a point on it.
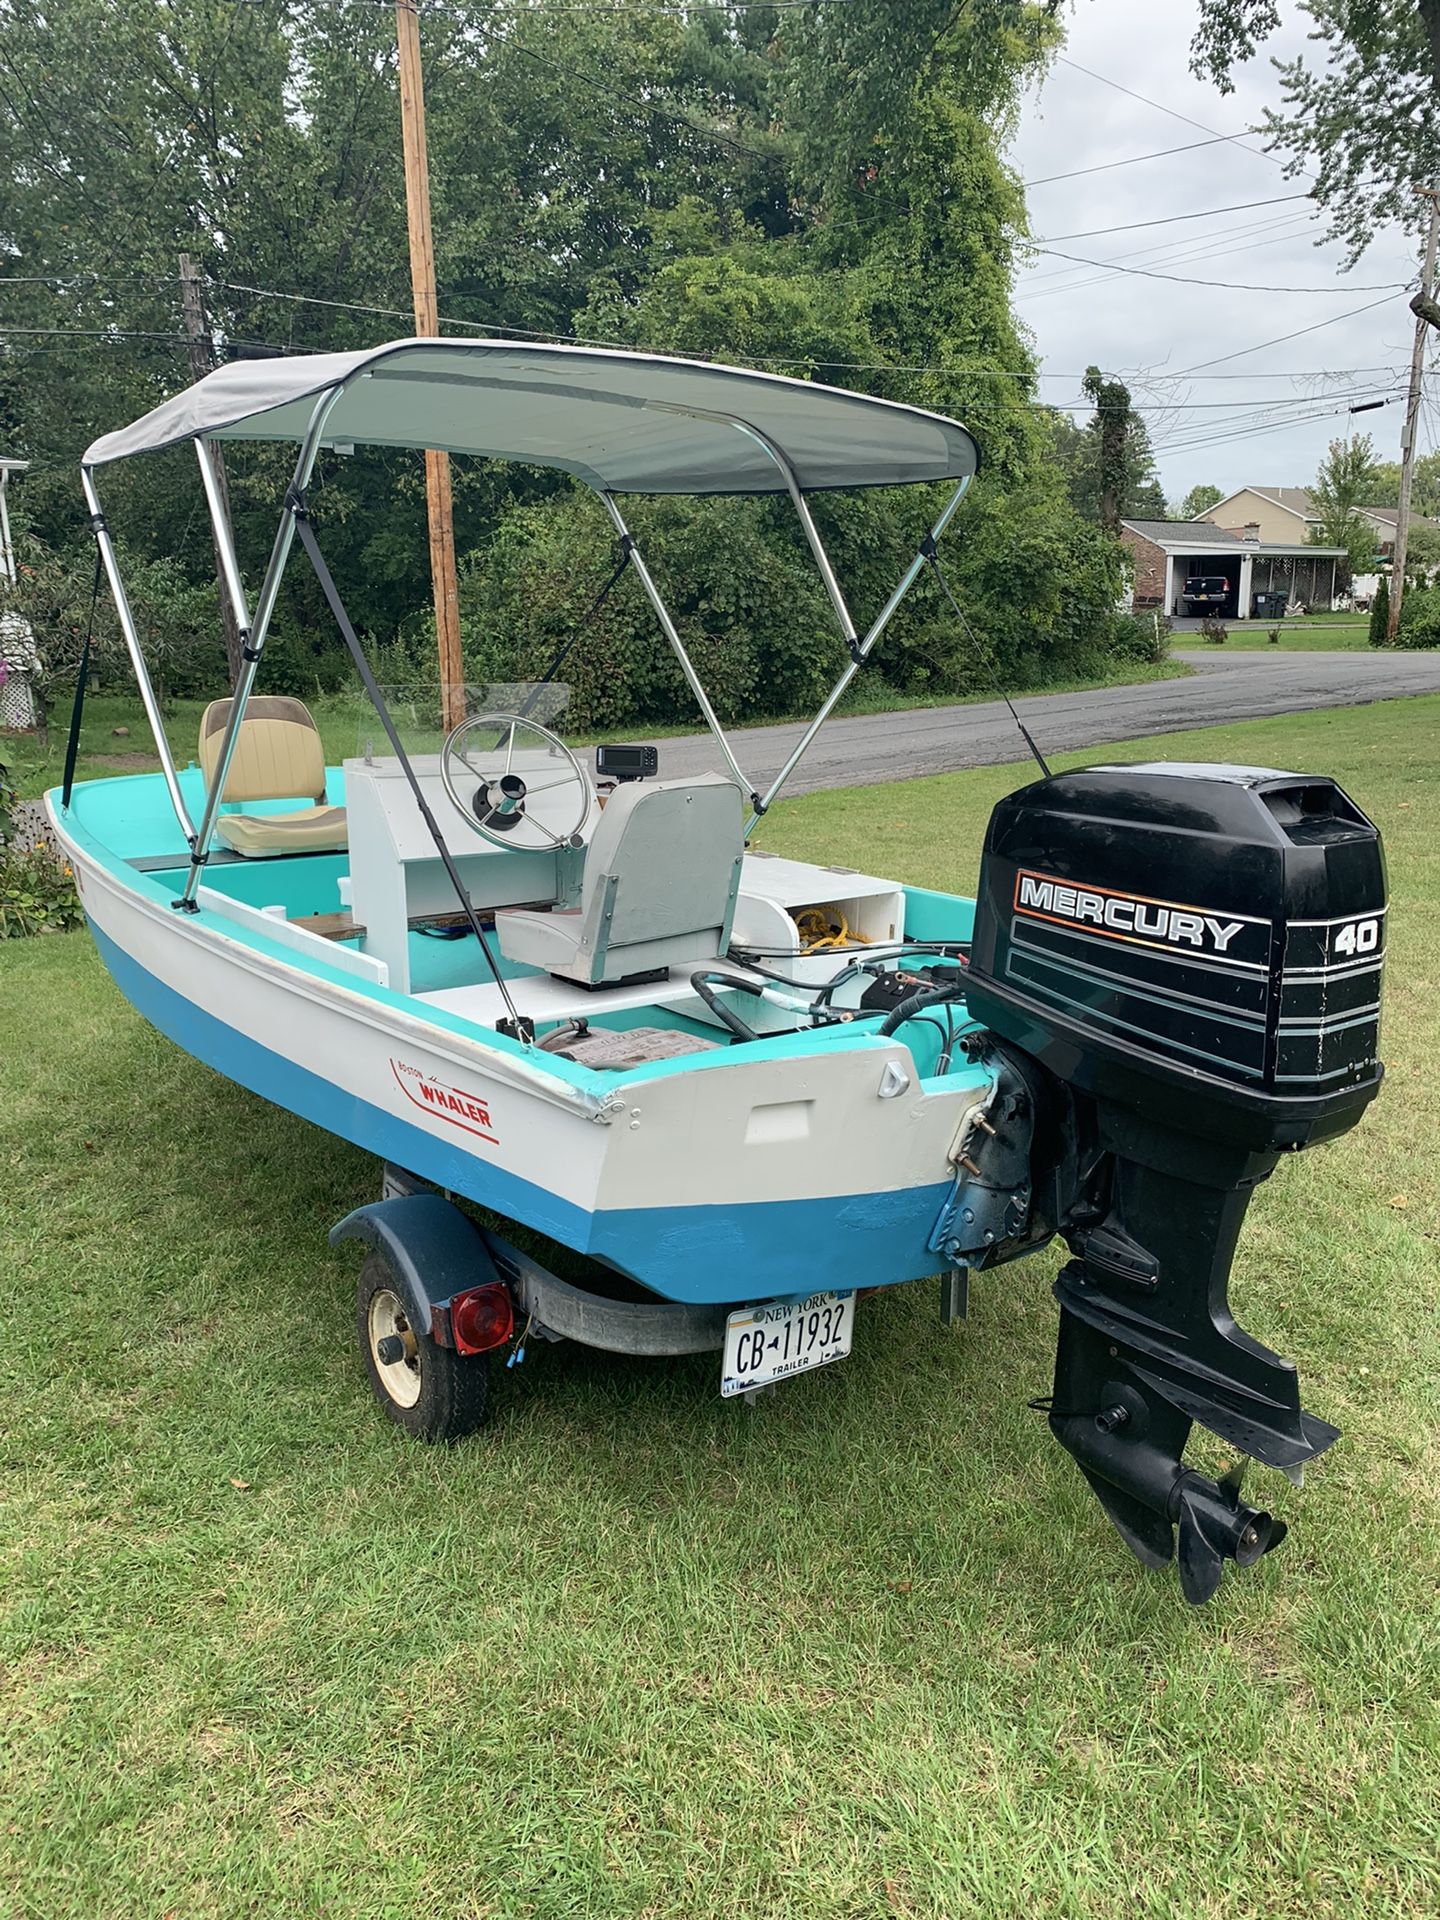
(431, 1245)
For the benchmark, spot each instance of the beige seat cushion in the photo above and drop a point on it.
(278, 756)
(308, 830)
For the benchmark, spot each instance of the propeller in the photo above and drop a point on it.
(1215, 1525)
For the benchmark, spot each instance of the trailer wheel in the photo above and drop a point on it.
(434, 1394)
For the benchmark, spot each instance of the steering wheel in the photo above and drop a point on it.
(486, 747)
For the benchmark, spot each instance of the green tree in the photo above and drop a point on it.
(1112, 450)
(1199, 500)
(1340, 489)
(818, 190)
(1380, 614)
(1424, 485)
(1363, 119)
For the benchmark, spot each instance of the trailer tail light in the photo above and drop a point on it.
(482, 1318)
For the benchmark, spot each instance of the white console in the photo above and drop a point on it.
(397, 877)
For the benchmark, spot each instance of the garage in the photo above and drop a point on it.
(1169, 553)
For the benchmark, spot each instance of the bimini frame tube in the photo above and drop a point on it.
(861, 650)
(255, 647)
(137, 657)
(677, 645)
(234, 587)
(793, 488)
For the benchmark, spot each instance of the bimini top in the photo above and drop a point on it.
(622, 422)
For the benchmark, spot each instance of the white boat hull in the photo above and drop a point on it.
(726, 1182)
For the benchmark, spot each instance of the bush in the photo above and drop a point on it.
(1040, 588)
(37, 890)
(296, 666)
(37, 893)
(1274, 636)
(1380, 614)
(1420, 619)
(1140, 636)
(752, 618)
(1214, 632)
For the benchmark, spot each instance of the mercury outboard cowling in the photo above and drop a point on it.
(1195, 954)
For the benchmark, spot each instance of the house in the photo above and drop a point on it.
(1383, 520)
(1167, 553)
(1266, 513)
(1288, 513)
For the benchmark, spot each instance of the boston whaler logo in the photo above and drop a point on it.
(1134, 917)
(461, 1109)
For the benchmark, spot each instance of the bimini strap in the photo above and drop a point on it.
(627, 547)
(927, 547)
(77, 711)
(516, 1025)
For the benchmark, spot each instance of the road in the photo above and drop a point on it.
(866, 748)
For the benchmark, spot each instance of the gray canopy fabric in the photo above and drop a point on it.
(624, 422)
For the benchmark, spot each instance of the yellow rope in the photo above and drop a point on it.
(823, 927)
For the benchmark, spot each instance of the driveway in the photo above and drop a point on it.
(866, 748)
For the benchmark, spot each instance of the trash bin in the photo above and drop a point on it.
(1268, 606)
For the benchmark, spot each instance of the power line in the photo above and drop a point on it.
(1170, 253)
(1172, 450)
(1076, 280)
(1229, 286)
(1146, 101)
(1170, 219)
(1279, 340)
(1188, 442)
(1109, 166)
(1250, 400)
(105, 333)
(857, 366)
(123, 335)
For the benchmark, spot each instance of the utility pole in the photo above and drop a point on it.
(1412, 421)
(427, 325)
(202, 361)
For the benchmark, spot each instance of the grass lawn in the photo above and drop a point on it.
(1308, 633)
(1296, 636)
(868, 1649)
(347, 723)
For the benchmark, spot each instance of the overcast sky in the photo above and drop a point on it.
(1149, 330)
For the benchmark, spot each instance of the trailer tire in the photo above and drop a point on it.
(435, 1394)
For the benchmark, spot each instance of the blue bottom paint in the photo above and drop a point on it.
(694, 1254)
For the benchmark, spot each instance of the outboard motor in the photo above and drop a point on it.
(1194, 953)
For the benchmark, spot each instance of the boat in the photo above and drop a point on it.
(582, 1006)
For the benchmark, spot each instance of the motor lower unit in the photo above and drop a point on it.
(1191, 956)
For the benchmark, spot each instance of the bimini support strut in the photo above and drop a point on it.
(781, 461)
(233, 585)
(255, 642)
(677, 645)
(860, 650)
(137, 657)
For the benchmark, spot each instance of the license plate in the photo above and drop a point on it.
(771, 1342)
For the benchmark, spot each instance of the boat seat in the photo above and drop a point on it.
(662, 872)
(278, 756)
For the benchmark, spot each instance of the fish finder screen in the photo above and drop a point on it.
(627, 763)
